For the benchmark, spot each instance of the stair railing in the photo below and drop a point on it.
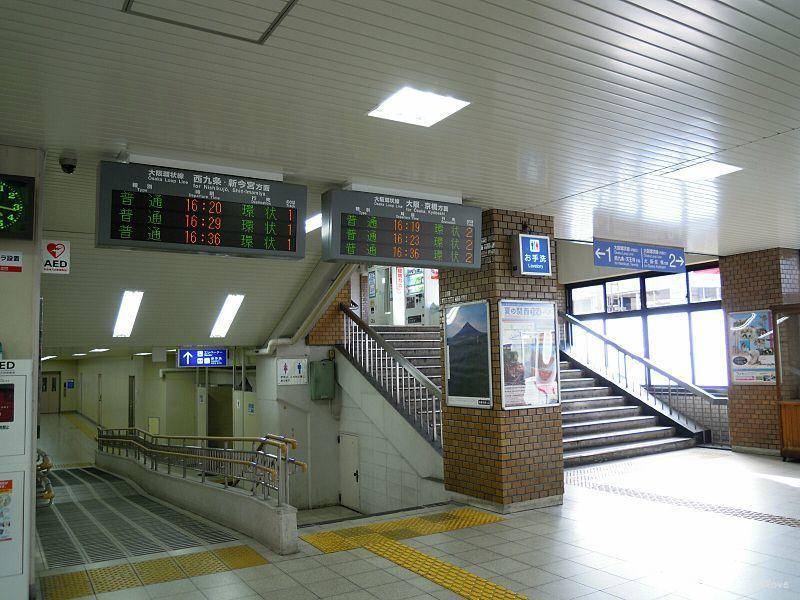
(688, 405)
(407, 387)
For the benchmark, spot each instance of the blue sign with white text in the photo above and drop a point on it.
(534, 255)
(627, 255)
(203, 357)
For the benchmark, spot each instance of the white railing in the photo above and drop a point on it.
(399, 380)
(695, 409)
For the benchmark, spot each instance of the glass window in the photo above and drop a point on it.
(623, 295)
(668, 338)
(627, 332)
(704, 285)
(587, 300)
(586, 346)
(665, 290)
(708, 344)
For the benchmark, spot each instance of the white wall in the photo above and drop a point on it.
(70, 399)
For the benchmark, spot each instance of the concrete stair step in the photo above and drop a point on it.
(409, 351)
(425, 361)
(609, 424)
(564, 364)
(577, 382)
(624, 436)
(407, 328)
(596, 402)
(597, 414)
(584, 456)
(410, 336)
(570, 374)
(585, 392)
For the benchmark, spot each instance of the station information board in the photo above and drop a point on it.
(164, 208)
(395, 230)
(16, 207)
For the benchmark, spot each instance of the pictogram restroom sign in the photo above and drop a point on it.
(292, 371)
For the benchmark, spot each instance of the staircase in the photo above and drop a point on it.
(422, 346)
(598, 426)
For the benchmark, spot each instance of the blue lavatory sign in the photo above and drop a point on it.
(534, 255)
(627, 255)
(202, 357)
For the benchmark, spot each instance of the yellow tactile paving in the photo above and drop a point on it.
(66, 586)
(453, 578)
(159, 570)
(112, 579)
(201, 563)
(240, 557)
(400, 529)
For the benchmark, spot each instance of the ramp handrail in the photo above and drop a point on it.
(264, 471)
(687, 404)
(406, 385)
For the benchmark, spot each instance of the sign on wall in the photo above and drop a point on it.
(750, 348)
(292, 371)
(10, 262)
(202, 357)
(643, 257)
(532, 255)
(12, 487)
(15, 378)
(468, 366)
(528, 353)
(56, 257)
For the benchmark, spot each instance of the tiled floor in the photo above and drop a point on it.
(323, 515)
(65, 437)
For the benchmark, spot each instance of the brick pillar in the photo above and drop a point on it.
(513, 457)
(757, 281)
(329, 329)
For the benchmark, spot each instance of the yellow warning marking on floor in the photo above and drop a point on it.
(66, 586)
(201, 563)
(401, 529)
(83, 426)
(455, 579)
(159, 570)
(111, 579)
(240, 557)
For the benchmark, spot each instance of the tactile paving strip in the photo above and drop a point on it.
(159, 570)
(356, 537)
(201, 563)
(66, 586)
(112, 579)
(455, 579)
(240, 557)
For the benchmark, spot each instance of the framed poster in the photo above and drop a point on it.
(528, 353)
(751, 353)
(468, 365)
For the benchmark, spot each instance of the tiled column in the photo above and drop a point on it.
(508, 459)
(756, 281)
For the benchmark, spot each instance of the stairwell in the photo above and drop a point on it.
(422, 346)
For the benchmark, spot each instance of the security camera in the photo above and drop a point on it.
(68, 162)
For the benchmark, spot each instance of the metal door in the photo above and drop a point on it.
(131, 401)
(49, 396)
(348, 471)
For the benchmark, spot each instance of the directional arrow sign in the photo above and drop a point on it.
(645, 257)
(203, 357)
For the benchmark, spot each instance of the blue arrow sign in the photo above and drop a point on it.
(202, 357)
(646, 257)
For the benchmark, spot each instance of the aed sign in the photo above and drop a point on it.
(532, 256)
(292, 371)
(55, 257)
(202, 357)
(10, 262)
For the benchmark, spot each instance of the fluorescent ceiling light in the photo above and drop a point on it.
(142, 353)
(99, 349)
(709, 169)
(226, 315)
(313, 222)
(128, 309)
(79, 354)
(173, 350)
(417, 107)
(48, 357)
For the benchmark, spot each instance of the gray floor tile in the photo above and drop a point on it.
(333, 587)
(372, 578)
(395, 591)
(565, 589)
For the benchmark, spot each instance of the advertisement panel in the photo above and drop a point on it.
(750, 348)
(528, 354)
(468, 365)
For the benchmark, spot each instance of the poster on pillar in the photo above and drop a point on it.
(468, 365)
(750, 348)
(11, 517)
(528, 354)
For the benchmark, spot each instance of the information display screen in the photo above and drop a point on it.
(142, 206)
(16, 207)
(392, 230)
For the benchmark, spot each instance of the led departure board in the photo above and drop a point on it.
(163, 208)
(394, 230)
(16, 207)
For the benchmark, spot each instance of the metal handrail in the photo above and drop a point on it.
(689, 386)
(266, 438)
(386, 347)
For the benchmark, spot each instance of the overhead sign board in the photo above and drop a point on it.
(202, 357)
(56, 257)
(393, 230)
(645, 257)
(164, 208)
(292, 371)
(532, 255)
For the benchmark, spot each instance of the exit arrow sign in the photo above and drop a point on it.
(642, 257)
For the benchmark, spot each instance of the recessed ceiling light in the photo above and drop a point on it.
(173, 350)
(48, 357)
(709, 169)
(226, 315)
(313, 222)
(79, 354)
(416, 107)
(128, 309)
(142, 353)
(99, 349)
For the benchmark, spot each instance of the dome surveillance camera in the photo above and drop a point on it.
(68, 162)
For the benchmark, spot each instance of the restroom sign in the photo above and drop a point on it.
(56, 257)
(532, 255)
(292, 371)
